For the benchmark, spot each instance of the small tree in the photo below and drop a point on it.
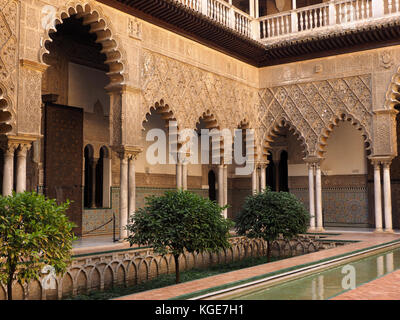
(268, 214)
(34, 232)
(179, 221)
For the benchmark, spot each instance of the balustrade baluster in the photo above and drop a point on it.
(269, 28)
(390, 6)
(397, 6)
(301, 21)
(273, 28)
(362, 9)
(287, 25)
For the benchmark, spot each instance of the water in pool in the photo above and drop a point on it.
(329, 283)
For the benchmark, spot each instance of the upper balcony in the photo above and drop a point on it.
(268, 32)
(327, 16)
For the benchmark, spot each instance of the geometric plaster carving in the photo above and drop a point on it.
(312, 109)
(8, 64)
(191, 91)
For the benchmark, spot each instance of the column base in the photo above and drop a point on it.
(388, 231)
(320, 229)
(311, 229)
(378, 231)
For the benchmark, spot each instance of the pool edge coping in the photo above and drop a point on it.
(243, 282)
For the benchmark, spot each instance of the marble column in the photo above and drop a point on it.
(131, 186)
(318, 194)
(311, 192)
(179, 175)
(8, 170)
(254, 178)
(225, 190)
(377, 196)
(21, 167)
(221, 185)
(263, 179)
(387, 195)
(276, 163)
(184, 175)
(93, 164)
(123, 196)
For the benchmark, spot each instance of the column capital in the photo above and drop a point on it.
(263, 164)
(128, 152)
(10, 143)
(313, 160)
(384, 160)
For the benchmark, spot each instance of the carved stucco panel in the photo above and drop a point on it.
(9, 54)
(29, 110)
(190, 91)
(312, 107)
(385, 134)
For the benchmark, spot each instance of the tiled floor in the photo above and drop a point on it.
(366, 240)
(385, 288)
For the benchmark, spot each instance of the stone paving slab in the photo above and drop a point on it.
(365, 240)
(384, 288)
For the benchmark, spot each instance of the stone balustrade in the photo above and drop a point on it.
(267, 29)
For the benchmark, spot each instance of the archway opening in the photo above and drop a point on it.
(345, 179)
(77, 110)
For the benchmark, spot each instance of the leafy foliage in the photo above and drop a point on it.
(268, 214)
(34, 232)
(179, 221)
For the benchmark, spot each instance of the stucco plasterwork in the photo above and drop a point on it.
(314, 108)
(8, 60)
(190, 91)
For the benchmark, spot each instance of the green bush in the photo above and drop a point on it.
(34, 232)
(179, 221)
(269, 214)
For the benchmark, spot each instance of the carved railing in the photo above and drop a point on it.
(295, 22)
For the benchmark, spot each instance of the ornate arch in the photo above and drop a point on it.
(6, 116)
(342, 116)
(210, 120)
(100, 25)
(162, 109)
(269, 136)
(393, 92)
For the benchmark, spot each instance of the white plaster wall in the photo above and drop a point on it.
(345, 151)
(86, 87)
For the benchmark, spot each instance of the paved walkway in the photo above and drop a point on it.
(384, 288)
(366, 240)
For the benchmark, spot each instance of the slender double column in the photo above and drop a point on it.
(315, 194)
(18, 147)
(127, 198)
(377, 162)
